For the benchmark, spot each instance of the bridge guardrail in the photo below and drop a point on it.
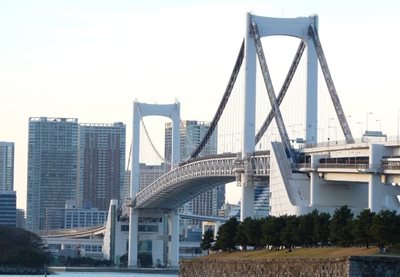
(367, 167)
(366, 140)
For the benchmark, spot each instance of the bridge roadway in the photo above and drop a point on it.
(199, 175)
(99, 230)
(354, 158)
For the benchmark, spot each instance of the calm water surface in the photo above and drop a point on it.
(97, 274)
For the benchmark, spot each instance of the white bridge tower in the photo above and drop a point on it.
(140, 110)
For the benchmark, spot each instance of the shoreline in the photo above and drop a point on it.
(55, 269)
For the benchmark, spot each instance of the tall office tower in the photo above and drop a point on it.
(6, 166)
(52, 169)
(101, 164)
(191, 133)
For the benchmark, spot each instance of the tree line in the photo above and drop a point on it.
(310, 230)
(21, 248)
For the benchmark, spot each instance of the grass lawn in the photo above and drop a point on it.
(298, 252)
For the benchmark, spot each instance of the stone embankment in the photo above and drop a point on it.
(353, 266)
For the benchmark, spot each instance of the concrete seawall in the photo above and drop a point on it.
(354, 266)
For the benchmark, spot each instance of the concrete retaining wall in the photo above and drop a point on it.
(293, 267)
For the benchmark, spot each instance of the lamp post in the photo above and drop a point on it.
(349, 120)
(380, 124)
(398, 128)
(361, 128)
(322, 133)
(329, 127)
(366, 127)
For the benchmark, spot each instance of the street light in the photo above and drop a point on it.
(380, 124)
(398, 129)
(366, 127)
(348, 120)
(329, 127)
(322, 134)
(361, 128)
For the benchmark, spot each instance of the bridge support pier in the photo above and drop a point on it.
(247, 204)
(374, 193)
(315, 182)
(133, 238)
(374, 183)
(173, 239)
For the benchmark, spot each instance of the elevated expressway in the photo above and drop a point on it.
(333, 161)
(359, 175)
(74, 233)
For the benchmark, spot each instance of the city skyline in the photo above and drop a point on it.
(90, 60)
(72, 164)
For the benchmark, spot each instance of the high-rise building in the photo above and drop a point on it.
(126, 194)
(261, 201)
(8, 208)
(75, 217)
(52, 169)
(261, 204)
(150, 173)
(6, 166)
(101, 164)
(191, 134)
(21, 220)
(8, 197)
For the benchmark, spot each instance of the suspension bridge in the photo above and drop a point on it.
(303, 173)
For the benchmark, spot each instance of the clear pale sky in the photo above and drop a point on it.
(91, 59)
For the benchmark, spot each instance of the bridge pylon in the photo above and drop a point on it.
(304, 28)
(268, 26)
(141, 110)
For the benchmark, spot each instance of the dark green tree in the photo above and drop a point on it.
(321, 230)
(145, 259)
(207, 240)
(362, 228)
(305, 230)
(241, 237)
(87, 262)
(226, 235)
(271, 231)
(19, 247)
(254, 232)
(341, 227)
(123, 260)
(289, 235)
(385, 228)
